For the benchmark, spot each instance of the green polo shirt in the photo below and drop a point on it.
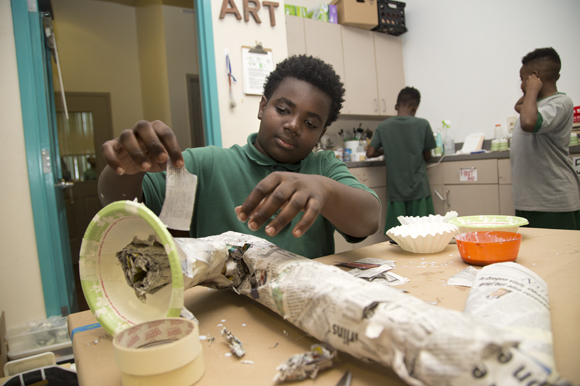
(225, 179)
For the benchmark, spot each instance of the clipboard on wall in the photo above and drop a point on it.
(257, 63)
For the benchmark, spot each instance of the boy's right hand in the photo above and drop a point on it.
(144, 148)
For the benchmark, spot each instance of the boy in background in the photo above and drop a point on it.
(274, 180)
(545, 186)
(406, 142)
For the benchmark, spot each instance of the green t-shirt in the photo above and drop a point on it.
(225, 179)
(403, 140)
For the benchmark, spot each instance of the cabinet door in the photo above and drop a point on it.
(438, 197)
(481, 171)
(504, 171)
(323, 40)
(472, 200)
(295, 35)
(360, 72)
(506, 200)
(390, 71)
(373, 176)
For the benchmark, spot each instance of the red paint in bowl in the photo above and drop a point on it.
(483, 248)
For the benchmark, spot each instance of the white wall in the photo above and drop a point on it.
(465, 56)
(237, 123)
(21, 296)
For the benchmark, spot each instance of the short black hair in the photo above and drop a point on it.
(547, 53)
(409, 95)
(545, 58)
(314, 71)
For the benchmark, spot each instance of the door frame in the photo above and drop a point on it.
(53, 252)
(37, 118)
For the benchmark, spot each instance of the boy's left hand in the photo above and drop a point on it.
(290, 192)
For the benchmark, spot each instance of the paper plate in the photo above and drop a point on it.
(488, 223)
(113, 303)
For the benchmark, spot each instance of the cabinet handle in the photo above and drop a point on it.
(447, 198)
(384, 105)
(376, 105)
(439, 195)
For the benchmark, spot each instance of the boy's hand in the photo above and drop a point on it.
(144, 148)
(290, 192)
(533, 84)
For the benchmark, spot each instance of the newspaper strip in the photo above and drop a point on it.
(512, 296)
(464, 278)
(180, 188)
(424, 344)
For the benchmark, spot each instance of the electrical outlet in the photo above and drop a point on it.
(511, 121)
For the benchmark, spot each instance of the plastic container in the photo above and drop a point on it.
(449, 145)
(26, 341)
(498, 131)
(391, 17)
(483, 248)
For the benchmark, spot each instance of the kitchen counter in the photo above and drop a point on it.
(456, 157)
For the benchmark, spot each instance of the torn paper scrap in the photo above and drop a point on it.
(235, 345)
(306, 365)
(180, 188)
(463, 278)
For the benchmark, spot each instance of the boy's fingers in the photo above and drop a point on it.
(311, 213)
(169, 141)
(132, 146)
(257, 196)
(110, 150)
(291, 208)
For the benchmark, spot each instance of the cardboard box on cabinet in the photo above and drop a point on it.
(360, 14)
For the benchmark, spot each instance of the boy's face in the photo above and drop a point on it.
(292, 121)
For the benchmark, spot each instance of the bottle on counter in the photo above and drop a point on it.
(448, 141)
(498, 131)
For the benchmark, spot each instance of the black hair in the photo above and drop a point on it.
(547, 56)
(311, 70)
(409, 95)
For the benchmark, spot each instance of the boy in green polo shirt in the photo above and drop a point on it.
(406, 142)
(274, 180)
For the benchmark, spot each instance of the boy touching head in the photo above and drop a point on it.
(545, 186)
(274, 180)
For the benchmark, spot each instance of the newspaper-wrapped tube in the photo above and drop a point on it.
(423, 343)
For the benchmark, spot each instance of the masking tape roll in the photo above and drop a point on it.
(166, 351)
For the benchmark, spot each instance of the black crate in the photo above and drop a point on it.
(391, 17)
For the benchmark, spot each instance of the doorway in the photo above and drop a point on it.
(195, 111)
(89, 124)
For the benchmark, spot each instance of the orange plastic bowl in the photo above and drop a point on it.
(483, 248)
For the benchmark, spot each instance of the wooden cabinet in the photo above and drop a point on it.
(506, 200)
(390, 71)
(487, 192)
(369, 63)
(360, 72)
(374, 177)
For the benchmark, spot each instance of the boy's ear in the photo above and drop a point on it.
(263, 103)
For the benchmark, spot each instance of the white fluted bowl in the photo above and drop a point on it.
(405, 220)
(423, 237)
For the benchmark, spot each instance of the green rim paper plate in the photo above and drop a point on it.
(113, 303)
(488, 223)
